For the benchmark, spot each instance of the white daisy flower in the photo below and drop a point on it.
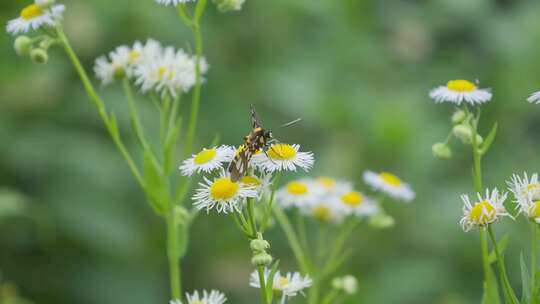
(526, 195)
(356, 203)
(282, 157)
(390, 184)
(207, 160)
(325, 210)
(260, 183)
(534, 98)
(458, 91)
(173, 2)
(223, 194)
(288, 285)
(35, 16)
(332, 185)
(485, 211)
(212, 297)
(298, 193)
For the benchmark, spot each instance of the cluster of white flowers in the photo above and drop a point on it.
(225, 195)
(41, 13)
(526, 193)
(288, 284)
(205, 297)
(151, 66)
(332, 200)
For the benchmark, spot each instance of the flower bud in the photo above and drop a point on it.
(23, 45)
(119, 74)
(347, 284)
(464, 133)
(39, 56)
(261, 259)
(381, 221)
(229, 5)
(258, 245)
(458, 116)
(441, 151)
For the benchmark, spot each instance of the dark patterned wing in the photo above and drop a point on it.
(239, 165)
(255, 122)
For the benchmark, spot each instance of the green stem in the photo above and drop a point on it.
(330, 297)
(507, 288)
(196, 98)
(485, 257)
(292, 239)
(174, 260)
(262, 281)
(134, 114)
(109, 122)
(534, 254)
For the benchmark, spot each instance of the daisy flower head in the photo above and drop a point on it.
(173, 2)
(207, 160)
(526, 193)
(460, 90)
(260, 183)
(298, 193)
(288, 284)
(534, 98)
(325, 210)
(35, 16)
(356, 203)
(390, 184)
(205, 297)
(332, 185)
(222, 194)
(281, 157)
(484, 211)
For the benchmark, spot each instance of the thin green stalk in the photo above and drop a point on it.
(314, 290)
(292, 239)
(330, 297)
(196, 98)
(339, 242)
(134, 114)
(174, 259)
(110, 122)
(262, 280)
(505, 282)
(534, 254)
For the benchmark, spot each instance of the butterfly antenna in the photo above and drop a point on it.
(290, 123)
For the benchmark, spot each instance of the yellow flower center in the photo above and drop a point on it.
(223, 189)
(31, 11)
(390, 179)
(460, 85)
(297, 188)
(204, 156)
(283, 281)
(134, 55)
(482, 213)
(352, 199)
(536, 210)
(250, 180)
(281, 152)
(321, 213)
(326, 182)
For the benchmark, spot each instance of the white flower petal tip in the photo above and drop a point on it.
(459, 91)
(207, 160)
(534, 98)
(526, 192)
(173, 2)
(205, 297)
(389, 184)
(288, 284)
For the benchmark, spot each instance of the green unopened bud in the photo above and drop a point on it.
(258, 245)
(229, 5)
(347, 284)
(39, 56)
(23, 45)
(458, 116)
(441, 151)
(464, 133)
(381, 221)
(261, 259)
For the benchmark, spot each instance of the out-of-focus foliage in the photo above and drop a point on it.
(356, 71)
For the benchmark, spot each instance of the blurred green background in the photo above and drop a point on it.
(356, 71)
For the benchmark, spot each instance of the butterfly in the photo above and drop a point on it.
(258, 139)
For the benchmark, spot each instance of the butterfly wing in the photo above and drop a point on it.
(239, 165)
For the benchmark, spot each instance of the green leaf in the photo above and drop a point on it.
(491, 289)
(155, 183)
(525, 285)
(199, 10)
(502, 244)
(489, 139)
(270, 280)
